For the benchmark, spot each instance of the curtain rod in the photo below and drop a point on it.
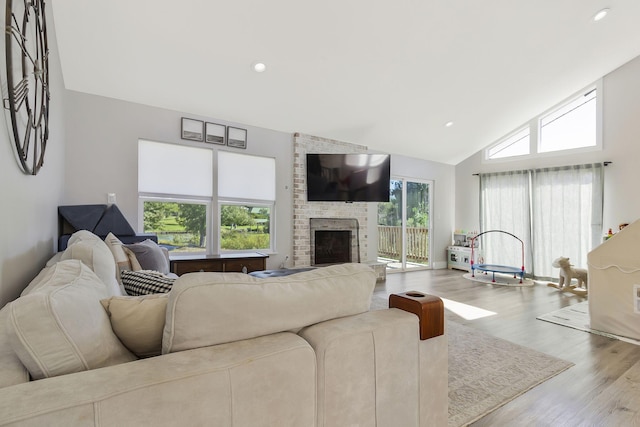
(605, 163)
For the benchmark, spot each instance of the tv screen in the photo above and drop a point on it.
(348, 177)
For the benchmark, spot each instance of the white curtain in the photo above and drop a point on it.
(567, 215)
(505, 206)
(554, 211)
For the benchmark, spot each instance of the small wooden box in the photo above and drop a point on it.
(428, 308)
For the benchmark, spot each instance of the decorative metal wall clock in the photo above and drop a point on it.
(27, 67)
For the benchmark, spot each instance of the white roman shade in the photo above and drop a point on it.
(241, 176)
(174, 169)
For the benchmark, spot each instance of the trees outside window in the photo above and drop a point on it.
(182, 227)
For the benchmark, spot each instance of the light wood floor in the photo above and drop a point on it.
(602, 389)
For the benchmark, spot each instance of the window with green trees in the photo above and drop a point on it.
(181, 227)
(244, 227)
(178, 201)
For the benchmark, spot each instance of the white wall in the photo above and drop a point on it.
(443, 177)
(28, 217)
(621, 145)
(102, 156)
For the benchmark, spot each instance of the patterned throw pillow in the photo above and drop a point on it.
(146, 282)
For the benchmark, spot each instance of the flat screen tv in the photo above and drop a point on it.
(348, 177)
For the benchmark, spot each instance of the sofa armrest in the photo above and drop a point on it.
(231, 384)
(428, 308)
(373, 370)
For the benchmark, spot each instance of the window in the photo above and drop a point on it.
(175, 186)
(514, 145)
(177, 201)
(180, 226)
(571, 126)
(555, 211)
(244, 227)
(246, 195)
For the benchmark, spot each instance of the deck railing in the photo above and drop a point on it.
(390, 243)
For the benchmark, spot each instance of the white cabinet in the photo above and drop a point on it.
(459, 258)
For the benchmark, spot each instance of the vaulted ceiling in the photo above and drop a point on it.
(385, 74)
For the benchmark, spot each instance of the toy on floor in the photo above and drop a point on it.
(494, 268)
(568, 272)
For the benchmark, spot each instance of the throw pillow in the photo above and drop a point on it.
(146, 282)
(95, 254)
(61, 328)
(135, 265)
(150, 256)
(82, 236)
(138, 321)
(117, 249)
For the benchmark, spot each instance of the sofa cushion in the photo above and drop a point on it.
(12, 371)
(212, 308)
(151, 256)
(96, 255)
(138, 321)
(44, 276)
(54, 259)
(82, 236)
(267, 381)
(60, 327)
(146, 282)
(62, 273)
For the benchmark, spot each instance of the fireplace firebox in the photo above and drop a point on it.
(334, 240)
(332, 246)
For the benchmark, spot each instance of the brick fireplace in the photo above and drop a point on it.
(304, 211)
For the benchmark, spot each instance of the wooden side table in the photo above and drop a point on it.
(224, 263)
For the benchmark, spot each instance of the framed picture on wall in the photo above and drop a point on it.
(192, 129)
(214, 133)
(236, 137)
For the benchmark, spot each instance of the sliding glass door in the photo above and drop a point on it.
(404, 225)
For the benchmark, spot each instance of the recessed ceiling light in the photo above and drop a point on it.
(259, 67)
(448, 124)
(601, 14)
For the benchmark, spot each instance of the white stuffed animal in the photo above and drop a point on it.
(568, 272)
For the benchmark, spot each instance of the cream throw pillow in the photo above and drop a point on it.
(95, 254)
(60, 328)
(125, 259)
(138, 321)
(135, 265)
(117, 249)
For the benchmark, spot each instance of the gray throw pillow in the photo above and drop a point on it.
(150, 256)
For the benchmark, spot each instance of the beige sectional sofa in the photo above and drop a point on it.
(219, 349)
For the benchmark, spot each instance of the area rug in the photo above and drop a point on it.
(501, 279)
(486, 372)
(576, 316)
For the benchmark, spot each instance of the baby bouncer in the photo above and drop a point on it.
(495, 268)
